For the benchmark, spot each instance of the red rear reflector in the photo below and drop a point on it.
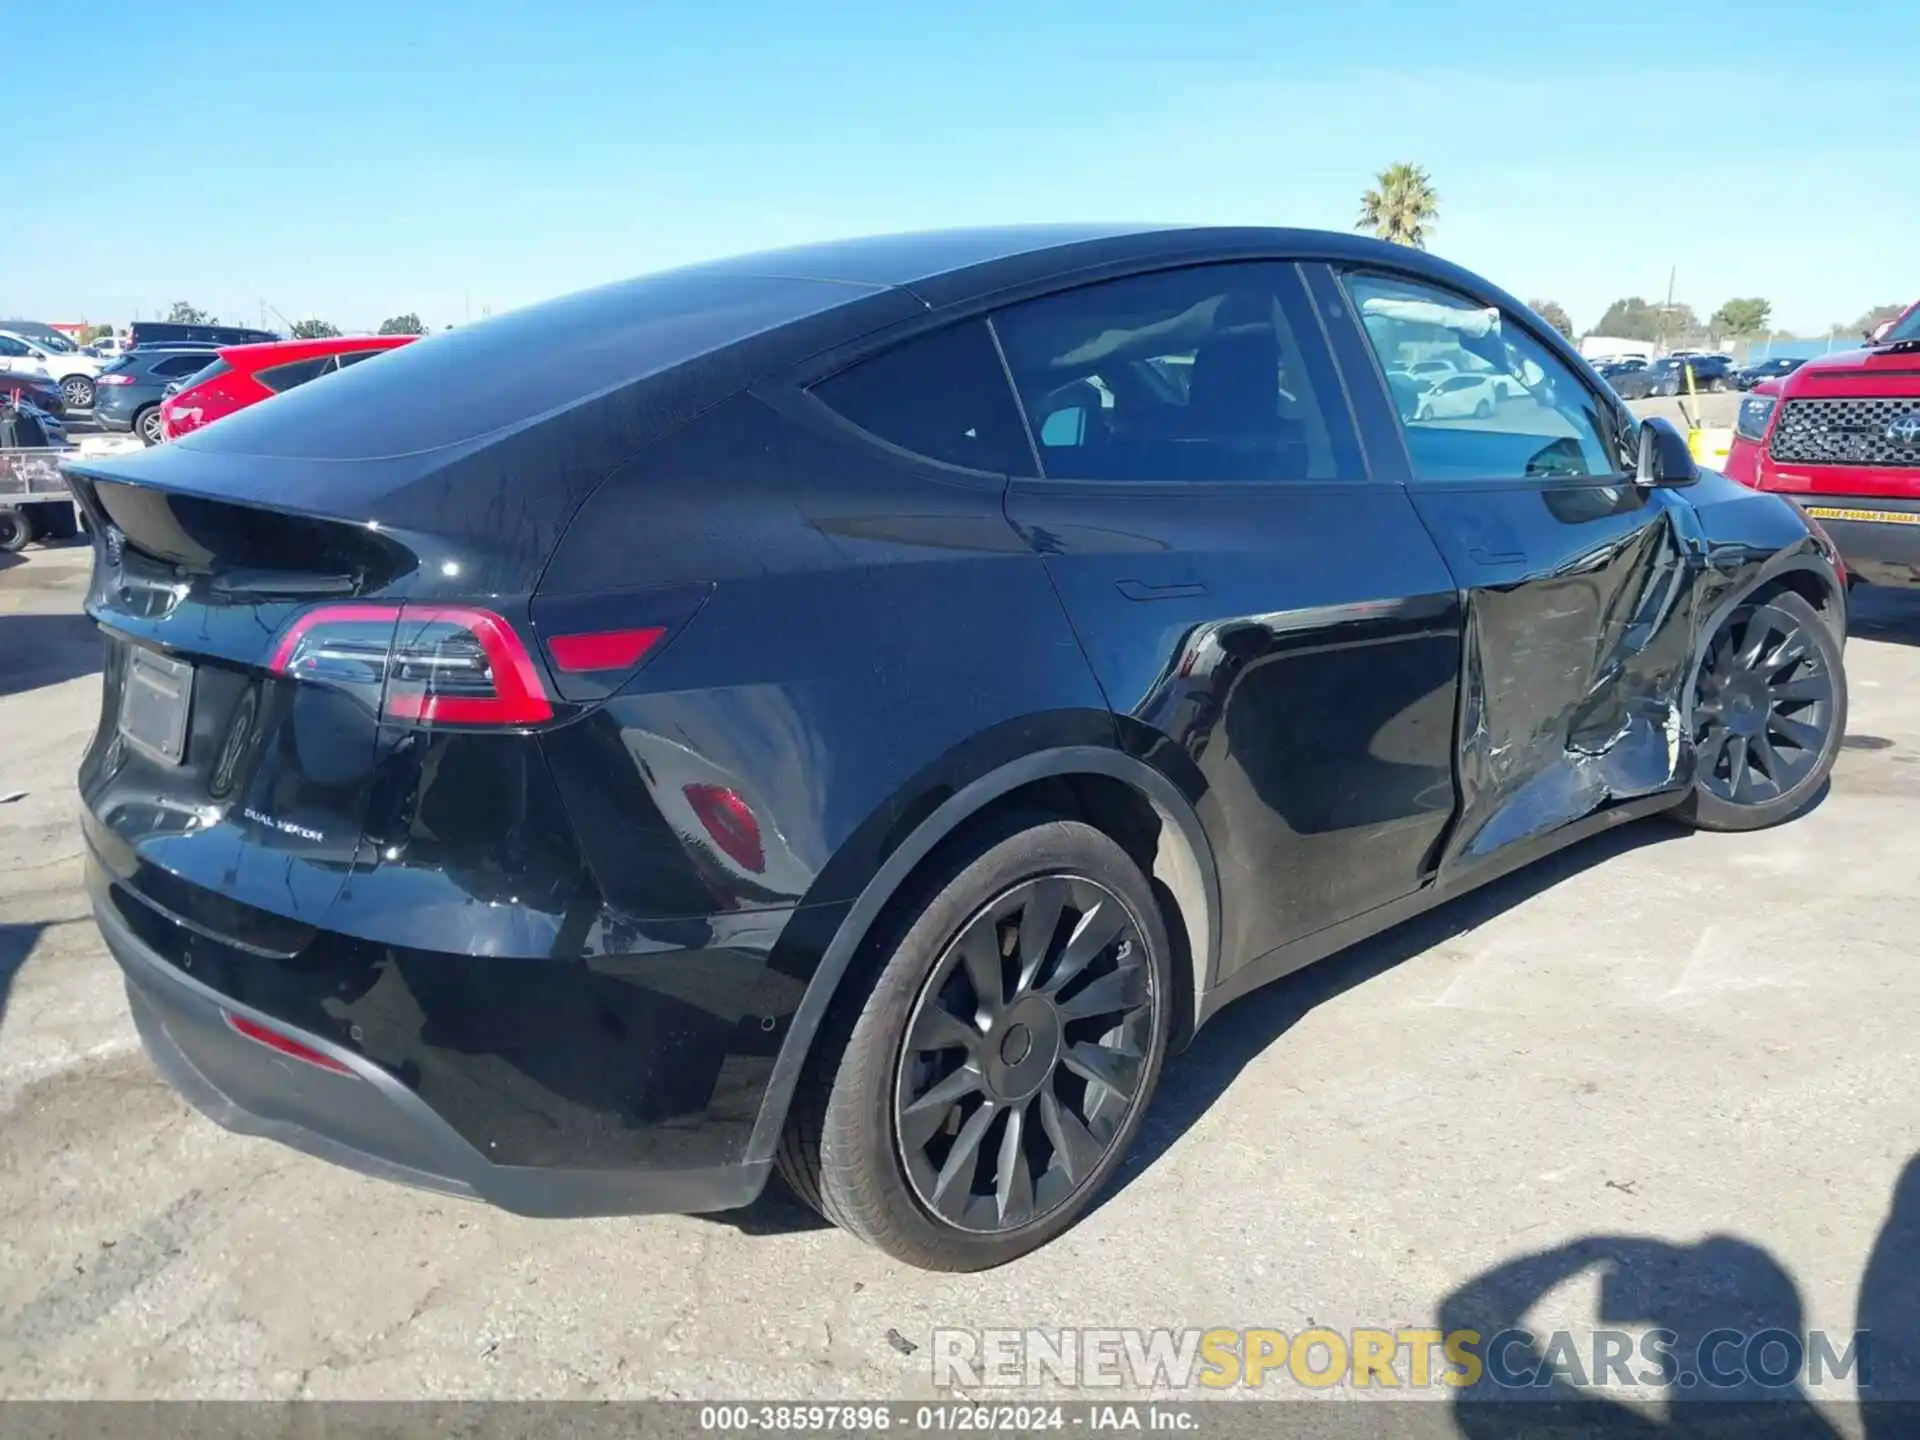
(285, 1044)
(603, 650)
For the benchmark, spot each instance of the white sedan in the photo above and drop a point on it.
(72, 370)
(1457, 397)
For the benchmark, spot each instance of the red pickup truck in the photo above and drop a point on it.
(1841, 435)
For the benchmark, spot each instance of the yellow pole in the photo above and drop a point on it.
(1692, 413)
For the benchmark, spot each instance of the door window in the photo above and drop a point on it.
(1214, 372)
(1478, 397)
(13, 348)
(943, 395)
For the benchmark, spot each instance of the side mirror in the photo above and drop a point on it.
(1665, 458)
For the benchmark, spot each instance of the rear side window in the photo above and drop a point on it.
(206, 373)
(295, 372)
(175, 366)
(943, 395)
(354, 357)
(1211, 373)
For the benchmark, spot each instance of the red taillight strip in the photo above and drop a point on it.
(285, 1044)
(518, 699)
(283, 652)
(603, 649)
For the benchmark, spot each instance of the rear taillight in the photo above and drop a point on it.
(418, 664)
(113, 380)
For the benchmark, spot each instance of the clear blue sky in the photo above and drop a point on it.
(355, 159)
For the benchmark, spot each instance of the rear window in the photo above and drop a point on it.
(294, 372)
(174, 366)
(463, 384)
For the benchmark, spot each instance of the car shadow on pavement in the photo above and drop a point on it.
(1886, 613)
(1735, 1340)
(38, 650)
(16, 944)
(1196, 1079)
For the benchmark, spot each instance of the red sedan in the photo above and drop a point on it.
(247, 374)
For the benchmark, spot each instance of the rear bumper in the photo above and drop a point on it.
(362, 1117)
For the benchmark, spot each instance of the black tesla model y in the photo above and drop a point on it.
(857, 709)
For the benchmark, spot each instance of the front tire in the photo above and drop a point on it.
(977, 1084)
(76, 392)
(1483, 411)
(1769, 712)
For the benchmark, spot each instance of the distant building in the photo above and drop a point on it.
(1612, 347)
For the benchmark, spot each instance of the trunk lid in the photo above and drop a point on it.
(206, 767)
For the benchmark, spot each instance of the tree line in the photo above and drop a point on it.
(311, 328)
(1401, 206)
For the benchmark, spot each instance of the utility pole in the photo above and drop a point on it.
(1666, 311)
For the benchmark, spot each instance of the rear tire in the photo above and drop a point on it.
(1483, 411)
(16, 531)
(921, 1089)
(147, 425)
(1769, 713)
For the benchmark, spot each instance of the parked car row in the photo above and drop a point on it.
(159, 391)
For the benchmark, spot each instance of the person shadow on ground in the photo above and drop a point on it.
(1722, 1283)
(1697, 1294)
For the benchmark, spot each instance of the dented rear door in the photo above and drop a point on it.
(1576, 583)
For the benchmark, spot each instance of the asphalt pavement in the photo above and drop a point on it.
(1698, 1048)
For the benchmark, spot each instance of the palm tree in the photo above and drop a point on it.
(1401, 208)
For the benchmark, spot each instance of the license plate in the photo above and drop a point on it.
(154, 704)
(1864, 517)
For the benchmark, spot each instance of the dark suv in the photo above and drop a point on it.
(127, 394)
(146, 334)
(863, 722)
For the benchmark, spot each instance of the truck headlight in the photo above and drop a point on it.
(1756, 412)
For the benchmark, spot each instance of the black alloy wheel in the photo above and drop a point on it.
(1024, 1054)
(982, 1073)
(1769, 712)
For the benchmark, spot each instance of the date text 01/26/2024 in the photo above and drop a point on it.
(942, 1418)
